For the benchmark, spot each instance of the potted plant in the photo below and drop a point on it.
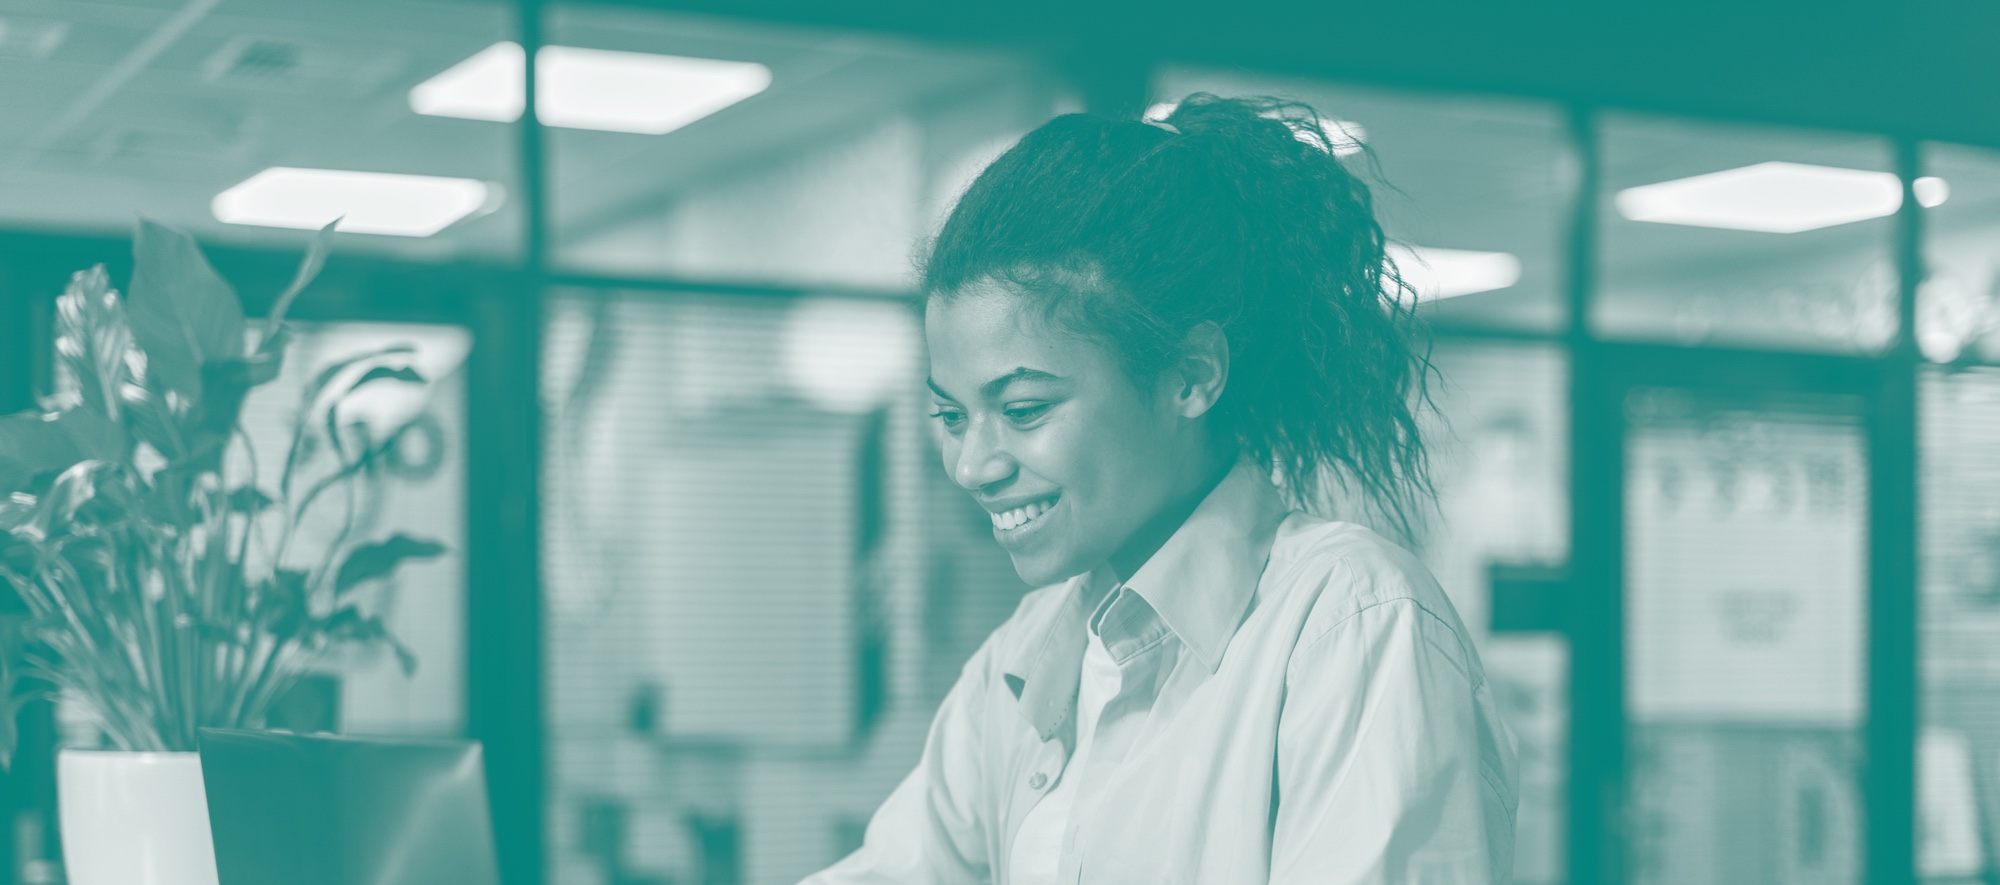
(169, 585)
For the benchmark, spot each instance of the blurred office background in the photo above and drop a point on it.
(1714, 301)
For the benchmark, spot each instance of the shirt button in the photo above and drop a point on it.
(1037, 781)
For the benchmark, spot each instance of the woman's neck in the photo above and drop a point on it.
(1155, 532)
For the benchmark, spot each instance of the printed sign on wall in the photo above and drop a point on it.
(1746, 553)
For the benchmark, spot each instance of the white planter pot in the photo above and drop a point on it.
(134, 818)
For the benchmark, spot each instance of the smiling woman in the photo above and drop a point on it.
(1046, 436)
(1153, 345)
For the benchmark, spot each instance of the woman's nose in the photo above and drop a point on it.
(981, 461)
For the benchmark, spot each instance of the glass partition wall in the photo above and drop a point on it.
(1472, 195)
(736, 530)
(758, 581)
(238, 122)
(1745, 237)
(1745, 489)
(698, 403)
(1472, 192)
(1958, 330)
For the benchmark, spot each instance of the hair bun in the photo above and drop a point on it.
(1262, 119)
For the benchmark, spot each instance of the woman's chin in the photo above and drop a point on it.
(1042, 570)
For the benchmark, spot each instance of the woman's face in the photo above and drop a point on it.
(1073, 461)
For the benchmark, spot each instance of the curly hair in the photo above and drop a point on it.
(1234, 211)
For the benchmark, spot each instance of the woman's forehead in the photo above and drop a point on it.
(988, 311)
(977, 336)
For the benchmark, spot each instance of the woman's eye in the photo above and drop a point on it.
(950, 418)
(1025, 414)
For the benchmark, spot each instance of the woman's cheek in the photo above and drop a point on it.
(1046, 451)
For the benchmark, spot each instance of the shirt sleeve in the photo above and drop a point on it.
(1392, 764)
(931, 829)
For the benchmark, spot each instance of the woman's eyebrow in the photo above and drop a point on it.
(999, 385)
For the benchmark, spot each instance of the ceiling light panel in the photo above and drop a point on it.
(365, 202)
(1775, 197)
(590, 88)
(486, 86)
(1448, 273)
(638, 92)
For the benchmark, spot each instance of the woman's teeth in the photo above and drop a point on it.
(1020, 516)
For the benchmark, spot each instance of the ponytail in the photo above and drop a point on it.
(1236, 212)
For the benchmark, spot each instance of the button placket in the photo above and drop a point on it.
(1049, 763)
(1034, 780)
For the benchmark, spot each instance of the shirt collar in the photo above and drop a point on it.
(1044, 674)
(1198, 584)
(1201, 581)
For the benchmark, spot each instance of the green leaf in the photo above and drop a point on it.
(33, 445)
(405, 658)
(10, 709)
(218, 633)
(303, 443)
(280, 604)
(309, 267)
(249, 499)
(325, 377)
(203, 455)
(181, 312)
(92, 340)
(12, 698)
(29, 447)
(152, 421)
(15, 509)
(168, 501)
(371, 561)
(382, 373)
(377, 373)
(350, 625)
(224, 384)
(57, 509)
(269, 359)
(98, 438)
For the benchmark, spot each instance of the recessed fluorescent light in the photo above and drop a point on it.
(1346, 136)
(590, 88)
(1775, 197)
(1448, 273)
(486, 86)
(365, 202)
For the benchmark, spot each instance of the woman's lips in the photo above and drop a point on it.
(1018, 522)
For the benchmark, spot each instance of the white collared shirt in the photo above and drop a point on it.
(1296, 702)
(1038, 845)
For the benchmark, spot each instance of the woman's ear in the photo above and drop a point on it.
(1202, 371)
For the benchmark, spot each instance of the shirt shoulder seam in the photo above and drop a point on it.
(1496, 783)
(1465, 654)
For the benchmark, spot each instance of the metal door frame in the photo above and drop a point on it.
(1602, 375)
